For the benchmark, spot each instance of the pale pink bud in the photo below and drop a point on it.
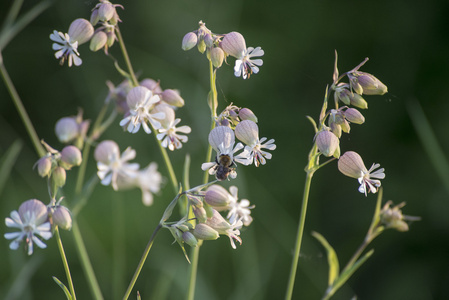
(189, 41)
(172, 97)
(234, 44)
(66, 129)
(152, 85)
(357, 101)
(98, 41)
(367, 84)
(247, 114)
(58, 177)
(71, 156)
(351, 164)
(205, 232)
(217, 197)
(208, 40)
(44, 166)
(217, 57)
(354, 116)
(62, 218)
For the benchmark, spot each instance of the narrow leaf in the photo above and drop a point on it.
(63, 287)
(332, 259)
(348, 273)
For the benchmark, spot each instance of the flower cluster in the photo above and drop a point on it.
(211, 224)
(338, 120)
(219, 46)
(152, 108)
(114, 169)
(233, 122)
(81, 31)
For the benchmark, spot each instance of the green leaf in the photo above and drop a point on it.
(332, 259)
(63, 287)
(348, 273)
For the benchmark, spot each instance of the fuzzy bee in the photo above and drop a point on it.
(225, 167)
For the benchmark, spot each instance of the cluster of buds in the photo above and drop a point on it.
(152, 108)
(392, 217)
(339, 119)
(54, 164)
(82, 31)
(219, 46)
(211, 224)
(33, 220)
(114, 169)
(241, 123)
(72, 129)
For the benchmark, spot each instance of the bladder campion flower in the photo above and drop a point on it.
(248, 132)
(66, 44)
(31, 220)
(351, 164)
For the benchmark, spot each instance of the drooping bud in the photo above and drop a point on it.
(172, 97)
(98, 40)
(200, 213)
(217, 197)
(233, 44)
(247, 114)
(58, 177)
(44, 166)
(106, 11)
(81, 31)
(217, 57)
(391, 217)
(66, 129)
(189, 41)
(70, 156)
(62, 218)
(205, 232)
(208, 40)
(189, 239)
(367, 84)
(327, 143)
(357, 101)
(354, 116)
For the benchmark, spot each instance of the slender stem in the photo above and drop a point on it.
(87, 266)
(302, 219)
(141, 263)
(195, 253)
(64, 262)
(12, 14)
(126, 57)
(21, 109)
(168, 163)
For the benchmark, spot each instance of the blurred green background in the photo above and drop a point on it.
(407, 43)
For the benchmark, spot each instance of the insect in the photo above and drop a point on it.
(225, 167)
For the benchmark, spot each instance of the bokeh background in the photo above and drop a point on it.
(407, 43)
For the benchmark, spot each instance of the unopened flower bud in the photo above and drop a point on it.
(233, 44)
(201, 46)
(111, 38)
(247, 114)
(98, 41)
(367, 84)
(66, 129)
(327, 143)
(189, 41)
(357, 101)
(189, 239)
(205, 232)
(391, 217)
(62, 218)
(208, 40)
(81, 31)
(71, 156)
(58, 177)
(217, 57)
(44, 166)
(94, 18)
(217, 197)
(106, 11)
(172, 97)
(354, 116)
(200, 213)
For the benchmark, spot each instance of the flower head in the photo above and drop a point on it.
(245, 65)
(66, 44)
(149, 181)
(248, 132)
(31, 220)
(351, 164)
(168, 133)
(141, 101)
(222, 140)
(392, 217)
(112, 166)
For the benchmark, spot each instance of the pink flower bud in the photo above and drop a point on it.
(367, 84)
(189, 41)
(44, 166)
(81, 31)
(354, 116)
(327, 143)
(71, 156)
(217, 197)
(98, 41)
(62, 218)
(66, 129)
(172, 97)
(152, 85)
(205, 232)
(247, 114)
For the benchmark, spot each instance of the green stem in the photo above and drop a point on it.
(168, 163)
(126, 57)
(21, 109)
(302, 219)
(12, 15)
(195, 253)
(141, 263)
(64, 262)
(86, 264)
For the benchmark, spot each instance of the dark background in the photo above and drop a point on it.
(407, 43)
